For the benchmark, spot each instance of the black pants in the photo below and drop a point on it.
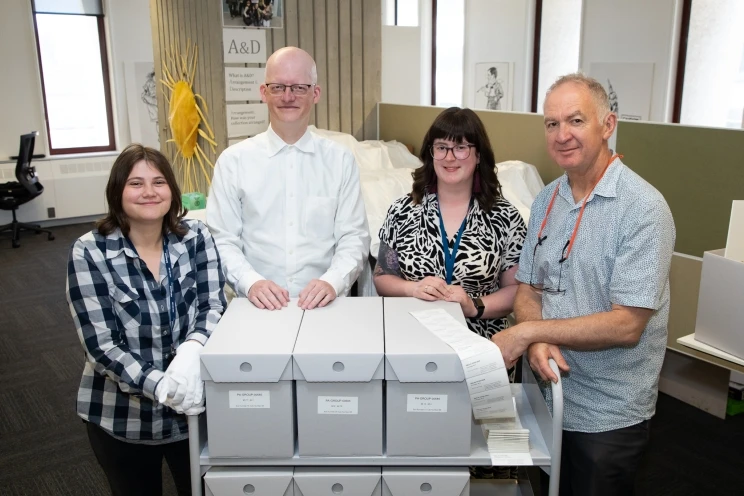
(136, 469)
(602, 463)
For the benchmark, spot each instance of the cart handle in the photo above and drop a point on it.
(555, 457)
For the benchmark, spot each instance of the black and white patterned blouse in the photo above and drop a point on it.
(490, 245)
(122, 318)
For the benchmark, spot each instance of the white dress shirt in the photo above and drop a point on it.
(288, 213)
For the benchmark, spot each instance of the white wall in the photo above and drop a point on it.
(129, 38)
(401, 65)
(406, 58)
(633, 31)
(499, 31)
(20, 88)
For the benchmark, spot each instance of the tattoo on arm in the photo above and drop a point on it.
(387, 262)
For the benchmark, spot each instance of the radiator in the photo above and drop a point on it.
(73, 187)
(80, 185)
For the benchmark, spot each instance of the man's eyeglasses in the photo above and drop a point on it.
(277, 89)
(539, 286)
(460, 152)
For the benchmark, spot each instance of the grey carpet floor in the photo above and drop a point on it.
(44, 449)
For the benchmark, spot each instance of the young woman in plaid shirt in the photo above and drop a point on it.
(145, 290)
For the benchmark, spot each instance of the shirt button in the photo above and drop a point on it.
(291, 223)
(162, 307)
(165, 332)
(291, 195)
(291, 252)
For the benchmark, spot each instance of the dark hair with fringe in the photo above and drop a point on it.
(120, 171)
(458, 125)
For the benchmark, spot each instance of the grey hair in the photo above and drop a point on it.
(597, 91)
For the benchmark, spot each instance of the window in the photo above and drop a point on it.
(400, 12)
(713, 90)
(559, 45)
(449, 52)
(74, 74)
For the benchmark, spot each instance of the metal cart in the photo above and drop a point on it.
(545, 444)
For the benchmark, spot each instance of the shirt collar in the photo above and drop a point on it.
(277, 144)
(607, 186)
(116, 243)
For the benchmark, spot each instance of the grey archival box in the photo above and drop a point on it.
(247, 372)
(428, 404)
(264, 481)
(332, 481)
(338, 368)
(409, 481)
(720, 313)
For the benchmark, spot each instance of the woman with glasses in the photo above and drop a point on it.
(454, 237)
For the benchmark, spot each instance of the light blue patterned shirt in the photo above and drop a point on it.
(621, 255)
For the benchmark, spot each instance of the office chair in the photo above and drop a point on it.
(15, 193)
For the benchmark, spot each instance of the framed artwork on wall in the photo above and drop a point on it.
(252, 13)
(493, 86)
(629, 86)
(142, 104)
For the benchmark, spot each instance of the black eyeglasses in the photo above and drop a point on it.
(277, 89)
(541, 287)
(460, 152)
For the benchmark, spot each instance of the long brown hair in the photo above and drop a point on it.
(458, 125)
(120, 171)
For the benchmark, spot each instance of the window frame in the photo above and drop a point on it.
(536, 37)
(106, 90)
(434, 53)
(679, 84)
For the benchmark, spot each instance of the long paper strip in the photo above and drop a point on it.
(485, 372)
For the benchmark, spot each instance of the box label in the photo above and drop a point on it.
(427, 403)
(338, 405)
(250, 399)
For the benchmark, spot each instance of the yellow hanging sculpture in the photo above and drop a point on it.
(184, 118)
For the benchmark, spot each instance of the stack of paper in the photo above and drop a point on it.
(507, 436)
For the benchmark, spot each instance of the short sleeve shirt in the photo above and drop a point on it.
(621, 255)
(490, 245)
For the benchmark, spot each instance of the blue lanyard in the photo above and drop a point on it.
(449, 256)
(169, 273)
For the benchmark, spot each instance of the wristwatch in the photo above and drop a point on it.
(478, 306)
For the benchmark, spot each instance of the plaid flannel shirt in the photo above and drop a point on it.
(122, 317)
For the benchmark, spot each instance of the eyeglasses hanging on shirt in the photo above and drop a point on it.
(569, 244)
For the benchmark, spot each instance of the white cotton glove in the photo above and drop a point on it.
(161, 393)
(194, 410)
(182, 387)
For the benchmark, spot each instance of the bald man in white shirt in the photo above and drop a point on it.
(285, 206)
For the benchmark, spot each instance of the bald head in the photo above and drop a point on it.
(291, 60)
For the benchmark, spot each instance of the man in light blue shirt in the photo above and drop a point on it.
(594, 292)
